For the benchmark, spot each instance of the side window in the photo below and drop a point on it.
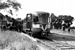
(36, 19)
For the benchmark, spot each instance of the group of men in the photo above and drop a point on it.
(61, 24)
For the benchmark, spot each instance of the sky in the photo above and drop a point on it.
(58, 7)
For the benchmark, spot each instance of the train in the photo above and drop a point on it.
(38, 24)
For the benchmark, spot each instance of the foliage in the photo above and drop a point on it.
(14, 5)
(3, 5)
(66, 17)
(62, 18)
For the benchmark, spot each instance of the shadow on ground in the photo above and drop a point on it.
(60, 37)
(57, 37)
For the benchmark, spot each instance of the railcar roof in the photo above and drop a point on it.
(40, 12)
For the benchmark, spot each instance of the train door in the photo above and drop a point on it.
(29, 21)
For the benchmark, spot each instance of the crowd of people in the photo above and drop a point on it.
(62, 22)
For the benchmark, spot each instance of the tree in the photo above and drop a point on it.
(11, 4)
(66, 17)
(8, 6)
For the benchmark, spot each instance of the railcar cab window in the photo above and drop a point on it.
(36, 20)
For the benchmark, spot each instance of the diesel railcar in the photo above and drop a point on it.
(38, 24)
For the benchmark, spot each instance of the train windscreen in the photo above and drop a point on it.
(43, 18)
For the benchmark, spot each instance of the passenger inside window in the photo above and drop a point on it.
(36, 20)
